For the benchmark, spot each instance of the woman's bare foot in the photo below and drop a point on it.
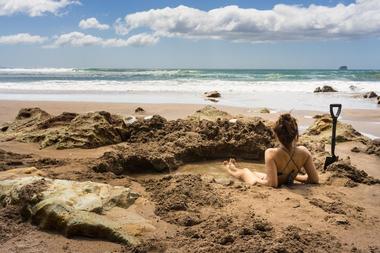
(233, 164)
(227, 165)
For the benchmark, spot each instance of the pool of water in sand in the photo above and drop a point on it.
(214, 169)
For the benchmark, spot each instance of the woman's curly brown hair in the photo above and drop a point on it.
(286, 129)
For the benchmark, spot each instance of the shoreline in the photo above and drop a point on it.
(366, 121)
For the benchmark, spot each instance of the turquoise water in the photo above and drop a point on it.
(19, 75)
(276, 89)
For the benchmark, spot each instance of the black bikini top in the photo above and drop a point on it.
(290, 177)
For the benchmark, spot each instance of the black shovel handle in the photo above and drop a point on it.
(332, 106)
(335, 120)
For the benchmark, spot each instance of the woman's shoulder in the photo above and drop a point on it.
(270, 152)
(303, 150)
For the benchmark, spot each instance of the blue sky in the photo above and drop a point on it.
(198, 34)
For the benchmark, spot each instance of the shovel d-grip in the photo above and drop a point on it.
(334, 115)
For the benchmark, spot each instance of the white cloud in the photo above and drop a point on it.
(142, 39)
(92, 23)
(21, 38)
(78, 39)
(283, 22)
(33, 8)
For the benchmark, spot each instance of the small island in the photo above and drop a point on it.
(343, 68)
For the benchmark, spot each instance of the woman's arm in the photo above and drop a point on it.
(271, 170)
(311, 176)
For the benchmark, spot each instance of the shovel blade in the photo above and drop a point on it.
(330, 160)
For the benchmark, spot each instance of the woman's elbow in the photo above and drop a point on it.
(314, 180)
(272, 184)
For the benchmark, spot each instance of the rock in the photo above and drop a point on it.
(213, 100)
(139, 110)
(129, 120)
(378, 100)
(212, 94)
(64, 118)
(325, 88)
(318, 116)
(21, 172)
(265, 110)
(373, 149)
(353, 87)
(321, 128)
(209, 113)
(31, 113)
(340, 220)
(343, 68)
(355, 150)
(74, 208)
(370, 94)
(376, 141)
(68, 130)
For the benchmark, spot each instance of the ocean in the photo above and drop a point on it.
(277, 89)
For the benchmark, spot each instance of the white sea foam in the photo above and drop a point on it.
(35, 70)
(184, 85)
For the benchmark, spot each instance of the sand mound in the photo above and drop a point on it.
(178, 197)
(163, 146)
(247, 233)
(343, 169)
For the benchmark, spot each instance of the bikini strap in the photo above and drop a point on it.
(290, 158)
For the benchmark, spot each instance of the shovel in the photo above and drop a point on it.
(333, 158)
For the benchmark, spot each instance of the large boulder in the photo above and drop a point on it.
(75, 208)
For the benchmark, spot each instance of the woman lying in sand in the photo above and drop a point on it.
(283, 163)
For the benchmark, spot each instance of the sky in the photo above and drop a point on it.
(322, 34)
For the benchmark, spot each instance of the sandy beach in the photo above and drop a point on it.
(189, 126)
(196, 206)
